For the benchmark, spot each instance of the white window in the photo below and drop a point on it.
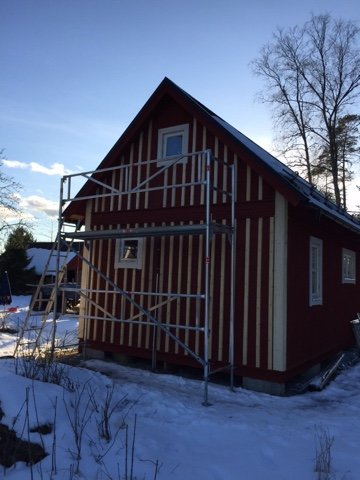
(172, 142)
(316, 271)
(348, 266)
(128, 253)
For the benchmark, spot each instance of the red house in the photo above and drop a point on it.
(202, 249)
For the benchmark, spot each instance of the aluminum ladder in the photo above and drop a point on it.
(29, 342)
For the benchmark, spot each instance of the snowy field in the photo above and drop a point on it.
(242, 436)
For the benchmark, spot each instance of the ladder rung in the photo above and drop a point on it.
(63, 347)
(32, 329)
(38, 313)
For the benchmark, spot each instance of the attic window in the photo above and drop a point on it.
(348, 266)
(172, 142)
(128, 253)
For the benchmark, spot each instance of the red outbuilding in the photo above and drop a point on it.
(202, 249)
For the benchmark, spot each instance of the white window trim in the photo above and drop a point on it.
(316, 297)
(163, 132)
(136, 263)
(351, 255)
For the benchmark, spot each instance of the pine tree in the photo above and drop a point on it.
(19, 238)
(15, 261)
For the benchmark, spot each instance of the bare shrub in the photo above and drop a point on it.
(6, 322)
(79, 413)
(129, 461)
(105, 409)
(44, 369)
(323, 444)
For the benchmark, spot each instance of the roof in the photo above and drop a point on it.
(39, 257)
(296, 189)
(309, 193)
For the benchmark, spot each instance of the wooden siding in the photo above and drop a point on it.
(317, 332)
(176, 263)
(277, 334)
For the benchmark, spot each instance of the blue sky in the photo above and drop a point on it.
(74, 73)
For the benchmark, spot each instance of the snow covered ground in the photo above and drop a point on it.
(242, 436)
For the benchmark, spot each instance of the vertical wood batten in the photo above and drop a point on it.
(180, 267)
(152, 287)
(260, 188)
(148, 158)
(113, 185)
(211, 312)
(85, 277)
(121, 183)
(142, 289)
(199, 290)
(194, 162)
(107, 287)
(188, 286)
(139, 168)
(92, 287)
(248, 184)
(99, 323)
(115, 299)
(132, 306)
(169, 288)
(222, 294)
(225, 176)
(280, 284)
(184, 168)
(216, 170)
(204, 136)
(96, 201)
(124, 302)
(246, 291)
(258, 291)
(271, 294)
(129, 175)
(103, 199)
(173, 181)
(161, 287)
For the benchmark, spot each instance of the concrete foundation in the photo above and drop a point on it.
(264, 386)
(92, 353)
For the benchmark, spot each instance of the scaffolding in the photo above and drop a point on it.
(206, 165)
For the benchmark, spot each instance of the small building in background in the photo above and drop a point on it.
(42, 259)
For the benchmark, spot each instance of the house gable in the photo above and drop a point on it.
(170, 104)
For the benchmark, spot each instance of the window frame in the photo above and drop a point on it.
(351, 255)
(135, 263)
(316, 271)
(168, 132)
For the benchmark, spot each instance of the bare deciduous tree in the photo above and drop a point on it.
(9, 202)
(347, 138)
(312, 76)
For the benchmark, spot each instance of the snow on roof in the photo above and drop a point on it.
(313, 197)
(39, 258)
